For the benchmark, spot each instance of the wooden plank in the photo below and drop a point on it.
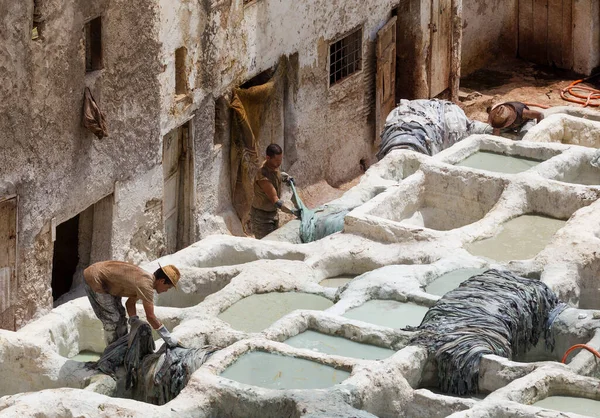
(8, 259)
(171, 154)
(386, 74)
(555, 19)
(567, 35)
(540, 32)
(441, 34)
(525, 29)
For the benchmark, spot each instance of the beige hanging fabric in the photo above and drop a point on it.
(250, 107)
(93, 118)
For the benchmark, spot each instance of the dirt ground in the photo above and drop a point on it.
(515, 80)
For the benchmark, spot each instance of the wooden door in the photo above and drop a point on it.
(171, 173)
(546, 32)
(386, 73)
(8, 262)
(440, 50)
(185, 219)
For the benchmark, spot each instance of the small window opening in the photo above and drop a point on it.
(345, 57)
(36, 30)
(181, 86)
(93, 45)
(222, 116)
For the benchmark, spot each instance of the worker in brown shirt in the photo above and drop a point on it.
(267, 192)
(108, 281)
(514, 117)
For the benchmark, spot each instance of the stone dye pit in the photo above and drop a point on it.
(336, 282)
(581, 406)
(297, 337)
(338, 346)
(450, 281)
(257, 312)
(388, 313)
(86, 355)
(490, 161)
(520, 238)
(273, 371)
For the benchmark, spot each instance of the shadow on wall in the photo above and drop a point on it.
(195, 285)
(231, 255)
(589, 288)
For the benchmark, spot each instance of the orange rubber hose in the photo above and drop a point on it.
(575, 347)
(575, 94)
(542, 106)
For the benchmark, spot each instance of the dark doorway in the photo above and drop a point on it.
(66, 256)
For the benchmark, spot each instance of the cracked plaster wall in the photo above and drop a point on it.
(327, 130)
(489, 29)
(333, 127)
(57, 168)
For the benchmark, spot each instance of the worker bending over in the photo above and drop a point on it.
(106, 282)
(267, 192)
(513, 117)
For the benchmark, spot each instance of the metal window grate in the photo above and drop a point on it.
(345, 57)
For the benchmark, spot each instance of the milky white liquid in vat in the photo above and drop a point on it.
(581, 406)
(451, 281)
(275, 371)
(339, 346)
(520, 239)
(257, 312)
(86, 355)
(497, 162)
(336, 282)
(388, 313)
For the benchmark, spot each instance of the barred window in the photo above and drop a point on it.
(345, 57)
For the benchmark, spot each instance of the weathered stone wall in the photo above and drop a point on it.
(586, 36)
(327, 130)
(57, 168)
(333, 126)
(489, 29)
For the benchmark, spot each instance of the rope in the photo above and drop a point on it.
(587, 96)
(575, 347)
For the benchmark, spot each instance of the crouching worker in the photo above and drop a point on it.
(512, 118)
(107, 282)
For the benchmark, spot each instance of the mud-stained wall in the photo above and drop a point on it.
(333, 127)
(57, 168)
(328, 131)
(188, 24)
(586, 36)
(489, 29)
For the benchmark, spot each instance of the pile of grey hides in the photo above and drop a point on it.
(153, 377)
(495, 312)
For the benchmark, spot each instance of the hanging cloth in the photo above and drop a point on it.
(93, 118)
(251, 107)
